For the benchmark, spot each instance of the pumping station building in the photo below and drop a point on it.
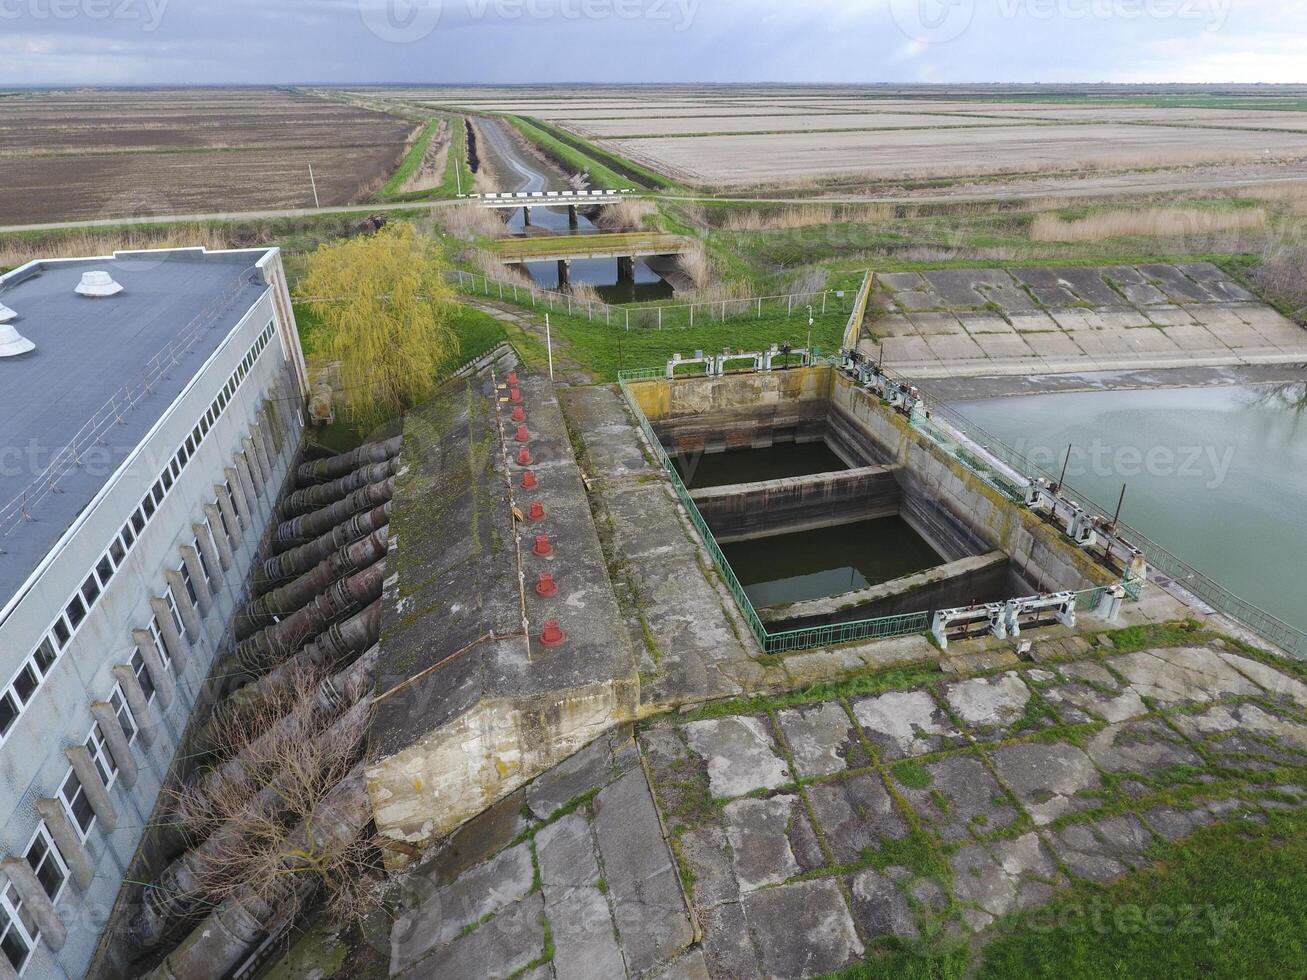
(149, 412)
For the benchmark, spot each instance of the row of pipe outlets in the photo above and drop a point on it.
(868, 374)
(715, 364)
(1005, 619)
(551, 634)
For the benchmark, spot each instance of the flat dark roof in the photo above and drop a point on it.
(89, 350)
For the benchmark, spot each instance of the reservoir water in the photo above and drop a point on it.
(1217, 475)
(774, 462)
(829, 561)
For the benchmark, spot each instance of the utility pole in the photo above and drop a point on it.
(314, 182)
(549, 344)
(809, 345)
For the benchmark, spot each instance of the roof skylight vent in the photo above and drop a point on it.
(6, 314)
(98, 283)
(12, 343)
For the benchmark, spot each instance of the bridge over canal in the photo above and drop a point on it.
(625, 247)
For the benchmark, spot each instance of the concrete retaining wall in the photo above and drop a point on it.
(942, 495)
(754, 510)
(980, 578)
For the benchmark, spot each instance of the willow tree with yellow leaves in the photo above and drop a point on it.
(385, 311)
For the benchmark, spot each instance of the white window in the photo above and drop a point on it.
(101, 757)
(143, 675)
(8, 712)
(18, 933)
(172, 606)
(199, 553)
(76, 804)
(118, 701)
(186, 578)
(156, 633)
(47, 863)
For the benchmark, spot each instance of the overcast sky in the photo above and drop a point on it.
(52, 42)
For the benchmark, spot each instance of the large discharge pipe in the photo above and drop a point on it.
(299, 560)
(322, 470)
(304, 529)
(285, 601)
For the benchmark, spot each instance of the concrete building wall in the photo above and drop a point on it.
(33, 759)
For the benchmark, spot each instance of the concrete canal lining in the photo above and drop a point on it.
(957, 583)
(989, 547)
(751, 510)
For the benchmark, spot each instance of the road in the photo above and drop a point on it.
(1101, 186)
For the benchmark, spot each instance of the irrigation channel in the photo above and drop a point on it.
(1215, 474)
(521, 172)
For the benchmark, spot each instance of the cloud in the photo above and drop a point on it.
(542, 41)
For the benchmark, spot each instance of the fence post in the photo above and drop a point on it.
(723, 311)
(691, 316)
(501, 292)
(789, 306)
(660, 318)
(514, 292)
(628, 321)
(759, 307)
(824, 293)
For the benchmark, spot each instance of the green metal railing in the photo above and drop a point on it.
(790, 640)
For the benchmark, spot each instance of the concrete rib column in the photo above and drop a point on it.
(67, 840)
(214, 534)
(36, 902)
(80, 758)
(207, 541)
(116, 738)
(271, 419)
(251, 486)
(164, 686)
(136, 702)
(186, 609)
(228, 511)
(260, 440)
(269, 441)
(239, 499)
(203, 594)
(257, 472)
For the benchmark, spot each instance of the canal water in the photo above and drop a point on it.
(774, 462)
(829, 561)
(529, 176)
(1217, 475)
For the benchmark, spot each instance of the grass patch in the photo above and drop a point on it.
(1225, 903)
(876, 683)
(911, 775)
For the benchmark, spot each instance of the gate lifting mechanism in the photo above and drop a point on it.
(715, 364)
(1007, 619)
(902, 398)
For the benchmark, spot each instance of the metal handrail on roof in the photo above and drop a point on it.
(18, 510)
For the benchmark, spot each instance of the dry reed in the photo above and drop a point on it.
(1147, 222)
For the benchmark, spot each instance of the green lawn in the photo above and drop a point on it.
(1230, 901)
(605, 350)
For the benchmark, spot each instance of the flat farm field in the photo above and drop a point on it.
(752, 137)
(68, 155)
